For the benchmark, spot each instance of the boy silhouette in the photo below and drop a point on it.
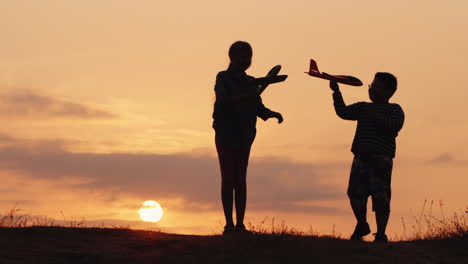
(378, 124)
(235, 114)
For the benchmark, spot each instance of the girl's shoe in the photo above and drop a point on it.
(228, 229)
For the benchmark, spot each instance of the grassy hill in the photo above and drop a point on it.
(106, 245)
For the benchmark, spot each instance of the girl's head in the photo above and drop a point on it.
(240, 54)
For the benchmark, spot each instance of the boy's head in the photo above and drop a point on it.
(383, 87)
(240, 54)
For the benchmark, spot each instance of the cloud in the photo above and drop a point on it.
(447, 158)
(35, 144)
(273, 183)
(443, 158)
(26, 104)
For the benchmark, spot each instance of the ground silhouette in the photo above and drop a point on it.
(104, 245)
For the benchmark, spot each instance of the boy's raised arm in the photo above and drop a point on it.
(351, 112)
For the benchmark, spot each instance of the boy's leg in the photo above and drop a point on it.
(381, 219)
(240, 185)
(381, 194)
(359, 206)
(226, 164)
(362, 228)
(358, 193)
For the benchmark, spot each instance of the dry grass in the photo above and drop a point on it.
(428, 227)
(282, 230)
(13, 218)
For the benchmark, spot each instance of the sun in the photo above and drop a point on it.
(151, 211)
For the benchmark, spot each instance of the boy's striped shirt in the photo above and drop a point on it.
(377, 127)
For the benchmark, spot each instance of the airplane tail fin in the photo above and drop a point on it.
(313, 67)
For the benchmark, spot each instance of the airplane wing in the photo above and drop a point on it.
(272, 76)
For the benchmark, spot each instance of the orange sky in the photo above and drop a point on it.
(107, 103)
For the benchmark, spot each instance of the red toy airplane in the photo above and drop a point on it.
(346, 79)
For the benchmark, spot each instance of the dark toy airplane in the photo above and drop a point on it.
(271, 77)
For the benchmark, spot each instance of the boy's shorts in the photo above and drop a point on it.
(371, 175)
